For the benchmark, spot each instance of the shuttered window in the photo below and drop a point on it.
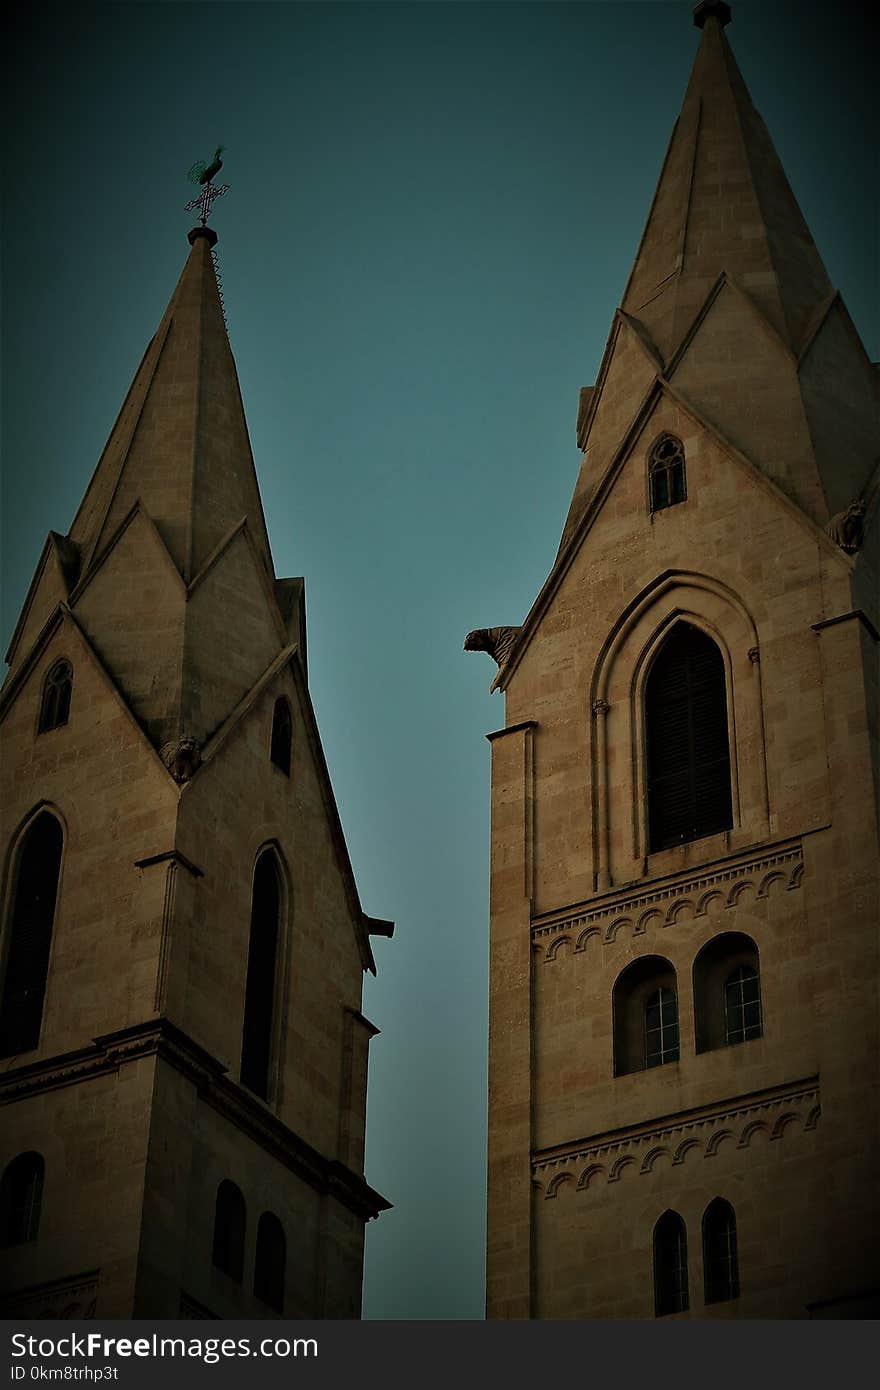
(30, 935)
(687, 743)
(259, 1003)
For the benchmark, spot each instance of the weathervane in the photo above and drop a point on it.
(203, 174)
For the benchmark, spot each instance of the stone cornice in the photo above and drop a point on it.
(699, 1131)
(633, 906)
(161, 1038)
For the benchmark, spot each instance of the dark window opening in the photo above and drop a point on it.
(30, 935)
(55, 704)
(666, 473)
(21, 1197)
(282, 736)
(720, 1264)
(230, 1217)
(259, 1001)
(670, 1265)
(270, 1261)
(687, 743)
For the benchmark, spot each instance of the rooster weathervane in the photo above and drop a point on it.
(203, 174)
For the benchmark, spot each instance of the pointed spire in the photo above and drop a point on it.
(180, 444)
(723, 203)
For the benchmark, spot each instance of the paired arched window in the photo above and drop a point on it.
(720, 1263)
(282, 735)
(688, 753)
(667, 483)
(670, 1265)
(21, 1196)
(36, 871)
(645, 1007)
(55, 701)
(727, 992)
(230, 1219)
(270, 1261)
(259, 1000)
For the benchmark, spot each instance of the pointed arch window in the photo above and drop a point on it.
(21, 1197)
(667, 481)
(282, 736)
(688, 752)
(55, 701)
(670, 1265)
(720, 1261)
(37, 868)
(270, 1261)
(259, 1001)
(230, 1219)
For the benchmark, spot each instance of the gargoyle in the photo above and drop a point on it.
(497, 641)
(181, 757)
(847, 528)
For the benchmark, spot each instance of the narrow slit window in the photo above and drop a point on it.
(21, 1198)
(230, 1219)
(32, 914)
(670, 1265)
(55, 702)
(270, 1261)
(259, 1002)
(282, 736)
(667, 480)
(720, 1261)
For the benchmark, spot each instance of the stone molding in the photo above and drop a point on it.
(661, 903)
(161, 1038)
(73, 1297)
(699, 1132)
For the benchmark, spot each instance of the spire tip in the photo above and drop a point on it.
(708, 9)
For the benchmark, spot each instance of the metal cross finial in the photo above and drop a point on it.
(203, 174)
(205, 201)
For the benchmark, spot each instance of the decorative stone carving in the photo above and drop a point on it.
(694, 1133)
(847, 528)
(497, 641)
(181, 757)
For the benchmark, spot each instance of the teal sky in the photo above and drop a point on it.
(433, 210)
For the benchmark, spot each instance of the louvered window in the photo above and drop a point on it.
(666, 473)
(21, 1197)
(720, 1262)
(269, 1261)
(230, 1218)
(30, 935)
(55, 703)
(687, 743)
(670, 1265)
(259, 1003)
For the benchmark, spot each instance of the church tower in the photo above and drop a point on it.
(684, 863)
(183, 1057)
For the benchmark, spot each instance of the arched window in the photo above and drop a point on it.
(259, 1000)
(32, 913)
(55, 703)
(687, 743)
(21, 1196)
(727, 992)
(645, 1008)
(666, 474)
(282, 734)
(670, 1265)
(270, 1261)
(230, 1217)
(720, 1264)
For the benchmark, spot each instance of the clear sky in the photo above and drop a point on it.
(432, 213)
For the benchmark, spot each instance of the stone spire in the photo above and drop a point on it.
(167, 570)
(180, 443)
(729, 307)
